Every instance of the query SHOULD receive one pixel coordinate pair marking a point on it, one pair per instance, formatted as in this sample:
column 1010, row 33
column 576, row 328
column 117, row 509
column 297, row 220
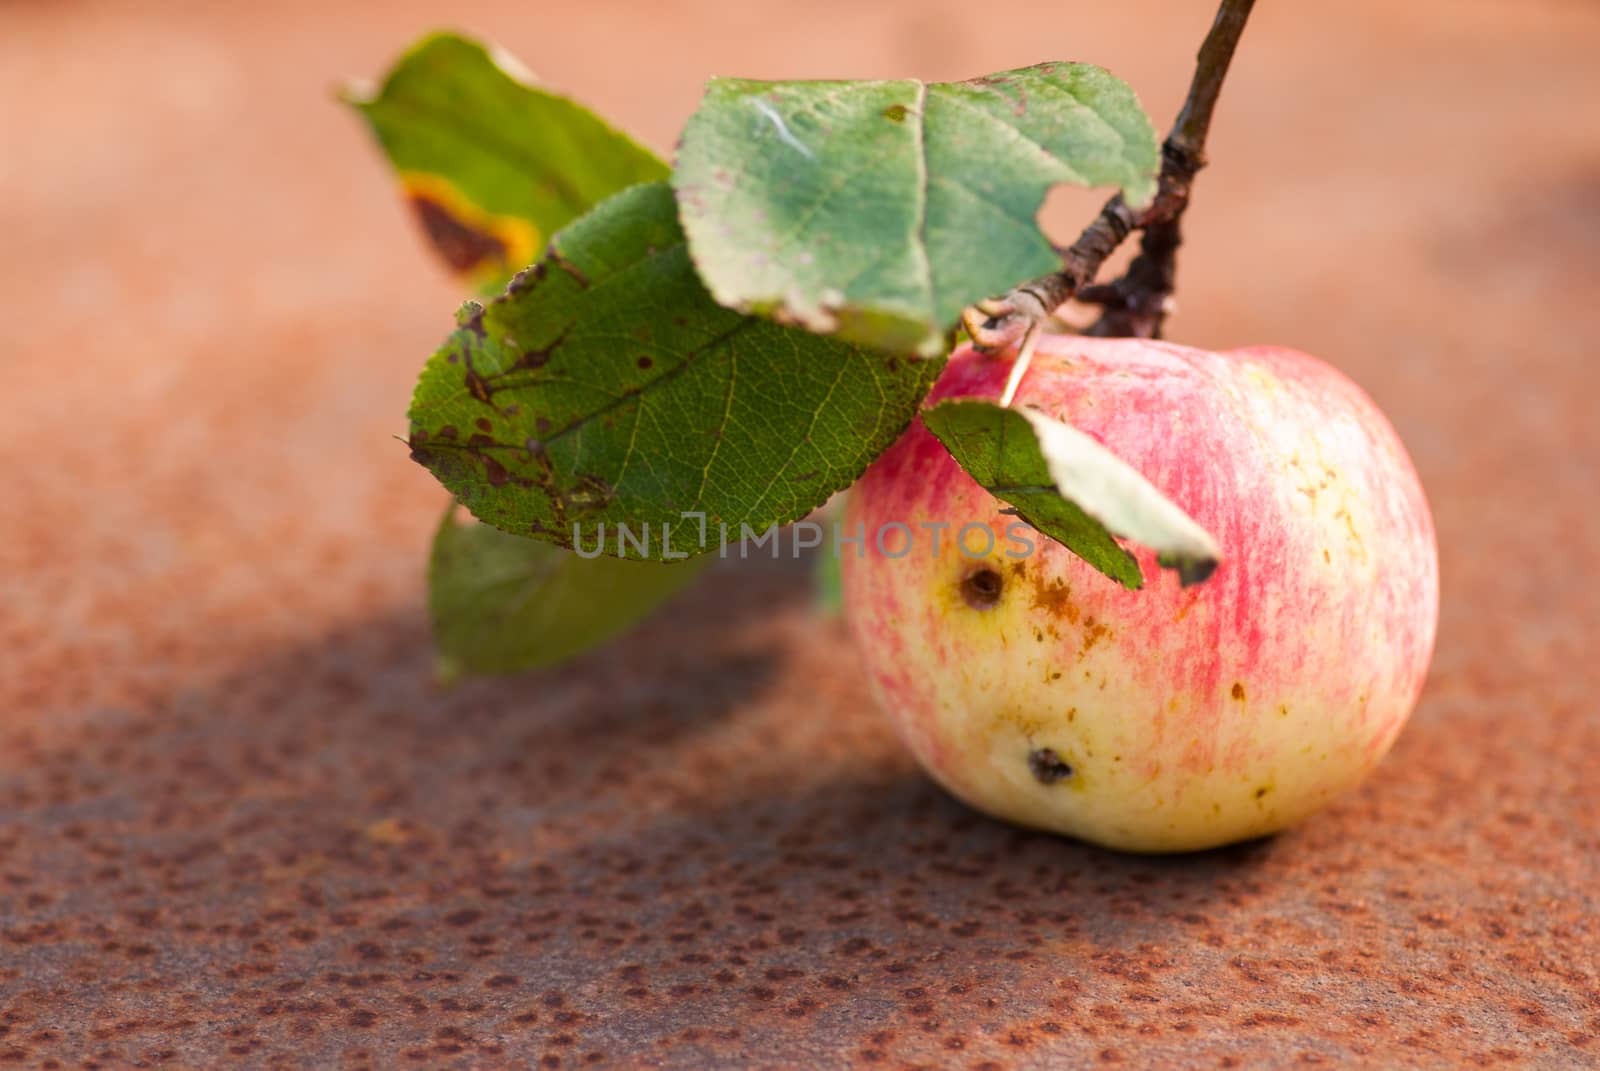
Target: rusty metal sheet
column 240, row 826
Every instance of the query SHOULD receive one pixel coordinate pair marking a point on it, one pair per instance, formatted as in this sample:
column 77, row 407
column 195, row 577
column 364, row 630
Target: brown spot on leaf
column 589, row 493
column 477, row 386
column 539, row 356
column 525, row 279
column 464, row 248
column 570, row 268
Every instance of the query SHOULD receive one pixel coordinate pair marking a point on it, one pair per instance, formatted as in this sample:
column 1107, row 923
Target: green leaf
column 500, row 603
column 827, row 577
column 879, row 210
column 1072, row 489
column 491, row 165
column 607, row 387
column 829, row 580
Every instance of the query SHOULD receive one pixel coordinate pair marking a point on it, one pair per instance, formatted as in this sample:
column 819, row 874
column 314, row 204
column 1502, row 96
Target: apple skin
column 1189, row 717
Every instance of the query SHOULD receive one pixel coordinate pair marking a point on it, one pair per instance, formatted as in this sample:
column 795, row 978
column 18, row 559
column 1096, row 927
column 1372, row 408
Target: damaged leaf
column 879, row 210
column 607, row 388
column 491, row 164
column 1072, row 489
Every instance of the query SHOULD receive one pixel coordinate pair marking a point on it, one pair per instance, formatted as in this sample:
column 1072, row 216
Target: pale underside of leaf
column 1119, row 497
column 1072, row 489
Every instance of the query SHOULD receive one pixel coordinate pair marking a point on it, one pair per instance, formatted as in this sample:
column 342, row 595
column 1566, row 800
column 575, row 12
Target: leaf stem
column 1019, row 367
column 1137, row 303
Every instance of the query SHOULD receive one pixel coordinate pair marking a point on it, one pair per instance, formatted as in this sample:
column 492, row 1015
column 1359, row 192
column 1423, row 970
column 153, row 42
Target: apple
column 1169, row 718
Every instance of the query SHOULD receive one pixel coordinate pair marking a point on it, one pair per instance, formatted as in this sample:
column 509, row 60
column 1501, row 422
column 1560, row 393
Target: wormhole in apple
column 981, row 589
column 1047, row 766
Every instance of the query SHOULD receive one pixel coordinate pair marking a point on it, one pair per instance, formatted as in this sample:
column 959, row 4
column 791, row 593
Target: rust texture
column 240, row 827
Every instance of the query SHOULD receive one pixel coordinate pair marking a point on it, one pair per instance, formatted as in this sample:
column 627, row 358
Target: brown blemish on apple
column 1312, row 488
column 1358, row 546
column 1238, row 691
column 1054, row 597
column 1020, row 723
column 1047, row 767
column 1093, row 633
column 981, row 589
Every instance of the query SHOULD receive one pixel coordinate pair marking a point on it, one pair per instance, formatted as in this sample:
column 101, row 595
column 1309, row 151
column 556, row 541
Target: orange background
column 212, row 307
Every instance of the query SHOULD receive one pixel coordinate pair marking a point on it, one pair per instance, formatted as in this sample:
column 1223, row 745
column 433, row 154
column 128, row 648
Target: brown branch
column 1137, row 303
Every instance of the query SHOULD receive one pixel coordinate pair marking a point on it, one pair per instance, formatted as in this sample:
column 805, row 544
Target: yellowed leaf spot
column 476, row 244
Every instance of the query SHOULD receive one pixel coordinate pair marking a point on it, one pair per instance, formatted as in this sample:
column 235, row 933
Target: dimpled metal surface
column 239, row 826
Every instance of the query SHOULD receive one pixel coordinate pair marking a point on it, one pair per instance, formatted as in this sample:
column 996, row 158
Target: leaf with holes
column 606, row 387
column 1072, row 489
column 491, row 164
column 501, row 603
column 879, row 210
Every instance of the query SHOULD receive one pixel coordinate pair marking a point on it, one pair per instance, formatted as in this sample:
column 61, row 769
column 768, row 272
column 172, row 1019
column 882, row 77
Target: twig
column 1138, row 302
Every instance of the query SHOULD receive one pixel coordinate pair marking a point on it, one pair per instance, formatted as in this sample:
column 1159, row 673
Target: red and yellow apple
column 1169, row 718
